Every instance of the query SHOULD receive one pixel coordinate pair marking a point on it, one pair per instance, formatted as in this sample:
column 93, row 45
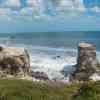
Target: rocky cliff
column 14, row 62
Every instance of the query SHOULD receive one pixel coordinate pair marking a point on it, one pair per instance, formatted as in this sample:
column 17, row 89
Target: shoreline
column 43, row 70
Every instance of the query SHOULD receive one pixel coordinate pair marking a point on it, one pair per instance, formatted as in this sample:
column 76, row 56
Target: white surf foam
column 52, row 65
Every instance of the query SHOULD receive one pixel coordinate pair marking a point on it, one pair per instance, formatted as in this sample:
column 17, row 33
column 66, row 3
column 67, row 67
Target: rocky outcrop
column 86, row 62
column 39, row 75
column 14, row 61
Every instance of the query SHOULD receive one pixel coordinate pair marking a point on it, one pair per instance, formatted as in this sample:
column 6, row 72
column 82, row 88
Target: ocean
column 51, row 52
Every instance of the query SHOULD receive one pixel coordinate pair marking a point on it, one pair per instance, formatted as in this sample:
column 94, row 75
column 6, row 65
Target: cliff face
column 14, row 62
column 86, row 62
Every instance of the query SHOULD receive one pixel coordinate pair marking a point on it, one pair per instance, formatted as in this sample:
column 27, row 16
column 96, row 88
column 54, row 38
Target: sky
column 49, row 15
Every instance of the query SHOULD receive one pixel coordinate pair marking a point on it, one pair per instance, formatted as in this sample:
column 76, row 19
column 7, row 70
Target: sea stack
column 86, row 62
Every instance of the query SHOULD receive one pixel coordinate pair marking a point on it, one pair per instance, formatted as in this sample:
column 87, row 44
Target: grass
column 88, row 91
column 27, row 90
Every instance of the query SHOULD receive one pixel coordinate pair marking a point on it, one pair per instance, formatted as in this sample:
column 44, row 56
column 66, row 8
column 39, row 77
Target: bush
column 88, row 91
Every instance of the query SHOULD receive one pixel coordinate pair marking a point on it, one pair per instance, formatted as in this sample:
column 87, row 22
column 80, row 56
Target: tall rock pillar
column 86, row 62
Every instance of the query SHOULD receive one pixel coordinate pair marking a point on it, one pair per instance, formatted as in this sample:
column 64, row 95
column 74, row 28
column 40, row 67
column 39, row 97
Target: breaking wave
column 52, row 61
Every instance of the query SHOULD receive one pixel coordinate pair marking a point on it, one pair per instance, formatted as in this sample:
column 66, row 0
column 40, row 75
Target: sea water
column 51, row 52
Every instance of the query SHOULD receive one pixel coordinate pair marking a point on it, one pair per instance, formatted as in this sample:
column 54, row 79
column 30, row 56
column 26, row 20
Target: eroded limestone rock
column 86, row 62
column 14, row 61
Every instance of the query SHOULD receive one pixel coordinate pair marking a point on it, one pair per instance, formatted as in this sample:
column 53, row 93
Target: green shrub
column 88, row 91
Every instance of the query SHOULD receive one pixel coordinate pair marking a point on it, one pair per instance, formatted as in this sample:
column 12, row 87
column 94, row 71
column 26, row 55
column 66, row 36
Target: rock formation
column 86, row 62
column 14, row 61
column 39, row 75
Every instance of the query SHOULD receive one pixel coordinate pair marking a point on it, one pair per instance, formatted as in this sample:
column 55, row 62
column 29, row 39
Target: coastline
column 56, row 67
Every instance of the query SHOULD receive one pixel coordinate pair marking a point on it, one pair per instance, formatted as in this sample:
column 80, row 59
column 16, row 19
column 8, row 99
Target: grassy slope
column 26, row 90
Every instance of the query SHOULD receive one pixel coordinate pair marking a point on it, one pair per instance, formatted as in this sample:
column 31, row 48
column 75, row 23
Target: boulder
column 14, row 61
column 86, row 62
column 39, row 75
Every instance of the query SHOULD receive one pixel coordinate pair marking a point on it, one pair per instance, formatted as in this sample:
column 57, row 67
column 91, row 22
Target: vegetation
column 88, row 91
column 27, row 90
column 98, row 65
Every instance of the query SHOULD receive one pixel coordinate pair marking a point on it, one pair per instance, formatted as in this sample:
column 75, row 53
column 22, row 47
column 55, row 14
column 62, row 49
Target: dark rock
column 39, row 75
column 56, row 57
column 86, row 62
column 1, row 48
column 14, row 61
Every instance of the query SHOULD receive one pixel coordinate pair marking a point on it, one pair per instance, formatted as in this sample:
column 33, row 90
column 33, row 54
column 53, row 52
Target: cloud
column 70, row 6
column 26, row 11
column 79, row 5
column 5, row 11
column 65, row 5
column 44, row 7
column 31, row 3
column 36, row 5
column 95, row 9
column 12, row 4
